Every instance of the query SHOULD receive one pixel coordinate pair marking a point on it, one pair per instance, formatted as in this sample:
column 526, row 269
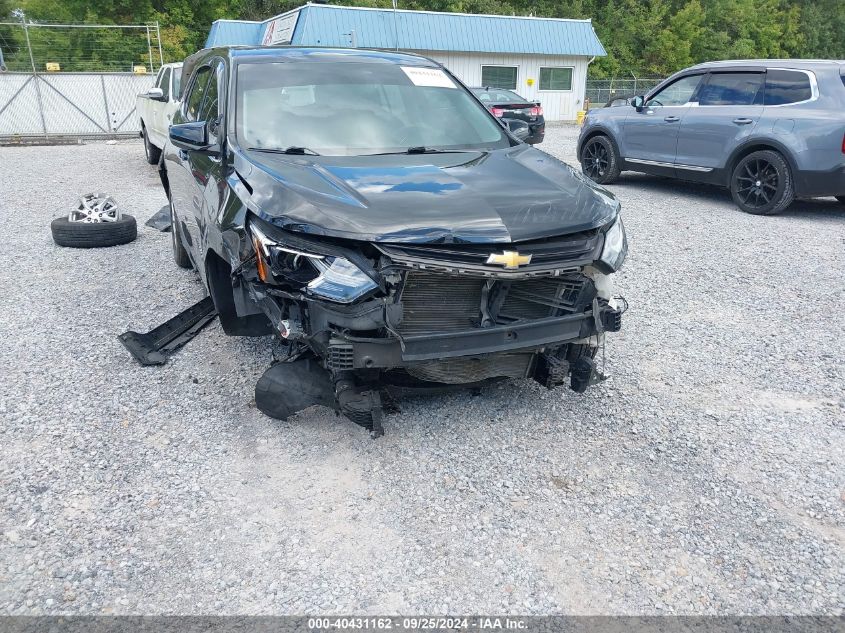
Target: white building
column 542, row 59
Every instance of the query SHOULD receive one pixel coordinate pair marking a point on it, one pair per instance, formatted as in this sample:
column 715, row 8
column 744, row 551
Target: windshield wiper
column 293, row 149
column 421, row 149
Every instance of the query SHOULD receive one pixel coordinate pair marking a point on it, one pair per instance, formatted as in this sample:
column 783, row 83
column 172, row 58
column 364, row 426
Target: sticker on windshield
column 428, row 77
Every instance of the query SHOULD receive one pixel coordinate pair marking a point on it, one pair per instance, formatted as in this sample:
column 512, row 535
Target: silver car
column 769, row 130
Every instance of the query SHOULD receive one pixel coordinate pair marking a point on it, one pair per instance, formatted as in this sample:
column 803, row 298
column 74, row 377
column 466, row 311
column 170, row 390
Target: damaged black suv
column 365, row 207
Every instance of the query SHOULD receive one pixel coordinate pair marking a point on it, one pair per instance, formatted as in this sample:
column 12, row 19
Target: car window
column 177, row 81
column 358, row 108
column 731, row 89
column 197, row 92
column 498, row 96
column 787, row 86
column 209, row 109
column 677, row 93
column 165, row 83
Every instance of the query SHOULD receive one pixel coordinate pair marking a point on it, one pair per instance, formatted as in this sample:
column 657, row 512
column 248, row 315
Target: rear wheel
column 761, row 183
column 152, row 152
column 599, row 160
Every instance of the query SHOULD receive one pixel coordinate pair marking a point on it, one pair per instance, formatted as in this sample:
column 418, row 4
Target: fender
column 759, row 143
column 596, row 130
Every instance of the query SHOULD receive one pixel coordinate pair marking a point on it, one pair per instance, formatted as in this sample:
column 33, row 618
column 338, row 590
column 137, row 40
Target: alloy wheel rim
column 596, row 160
column 757, row 183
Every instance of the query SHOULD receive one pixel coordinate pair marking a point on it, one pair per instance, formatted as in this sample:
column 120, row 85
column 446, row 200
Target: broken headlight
column 340, row 280
column 615, row 247
column 328, row 276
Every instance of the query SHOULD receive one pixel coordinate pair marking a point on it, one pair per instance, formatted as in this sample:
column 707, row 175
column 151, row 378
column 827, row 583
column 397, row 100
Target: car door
column 651, row 135
column 728, row 109
column 206, row 167
column 180, row 167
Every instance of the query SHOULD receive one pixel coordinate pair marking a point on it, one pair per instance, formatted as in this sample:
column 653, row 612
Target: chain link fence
column 81, row 105
column 74, row 80
column 600, row 91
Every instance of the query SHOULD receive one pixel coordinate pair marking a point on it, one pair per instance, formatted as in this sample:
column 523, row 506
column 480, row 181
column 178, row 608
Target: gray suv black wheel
column 762, row 183
column 599, row 160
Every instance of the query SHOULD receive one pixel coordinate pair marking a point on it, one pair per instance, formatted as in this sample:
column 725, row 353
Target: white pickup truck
column 156, row 107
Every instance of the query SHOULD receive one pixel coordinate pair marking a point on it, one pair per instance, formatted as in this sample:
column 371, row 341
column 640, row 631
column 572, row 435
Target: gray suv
column 770, row 130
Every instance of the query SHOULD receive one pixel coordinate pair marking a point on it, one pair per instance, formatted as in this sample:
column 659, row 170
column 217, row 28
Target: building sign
column 280, row 30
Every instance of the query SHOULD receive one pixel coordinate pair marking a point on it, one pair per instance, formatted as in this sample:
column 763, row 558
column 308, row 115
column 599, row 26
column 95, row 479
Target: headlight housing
column 615, row 248
column 340, row 280
column 327, row 275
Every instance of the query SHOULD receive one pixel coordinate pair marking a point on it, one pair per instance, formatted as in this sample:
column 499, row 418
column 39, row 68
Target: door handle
column 672, row 119
column 743, row 121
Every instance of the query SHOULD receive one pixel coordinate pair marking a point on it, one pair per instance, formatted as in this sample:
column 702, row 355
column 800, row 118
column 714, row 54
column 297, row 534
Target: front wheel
column 599, row 160
column 761, row 183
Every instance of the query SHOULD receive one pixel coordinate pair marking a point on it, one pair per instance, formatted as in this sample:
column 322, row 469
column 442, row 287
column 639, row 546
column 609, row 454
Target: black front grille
column 436, row 303
column 546, row 254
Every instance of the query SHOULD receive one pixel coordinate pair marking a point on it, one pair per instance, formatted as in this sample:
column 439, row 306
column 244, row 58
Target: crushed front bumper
column 368, row 353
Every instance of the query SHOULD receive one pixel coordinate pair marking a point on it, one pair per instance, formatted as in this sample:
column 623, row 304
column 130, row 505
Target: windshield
column 354, row 108
column 492, row 95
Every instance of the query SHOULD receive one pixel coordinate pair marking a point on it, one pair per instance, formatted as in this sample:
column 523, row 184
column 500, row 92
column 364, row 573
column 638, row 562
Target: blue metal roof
column 329, row 25
column 225, row 32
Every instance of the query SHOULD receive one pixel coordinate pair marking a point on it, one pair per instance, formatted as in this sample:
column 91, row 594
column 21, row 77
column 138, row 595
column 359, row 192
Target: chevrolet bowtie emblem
column 509, row 259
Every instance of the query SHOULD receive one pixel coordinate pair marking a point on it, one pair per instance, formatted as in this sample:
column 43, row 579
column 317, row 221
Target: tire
column 600, row 160
column 152, row 152
column 93, row 234
column 841, row 199
column 761, row 183
column 180, row 253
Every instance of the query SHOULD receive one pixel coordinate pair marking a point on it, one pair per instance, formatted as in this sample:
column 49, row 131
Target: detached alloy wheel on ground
column 761, row 183
column 152, row 152
column 95, row 222
column 599, row 160
column 94, row 234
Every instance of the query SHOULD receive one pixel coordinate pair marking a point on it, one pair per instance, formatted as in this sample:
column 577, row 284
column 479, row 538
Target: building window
column 555, row 78
column 499, row 77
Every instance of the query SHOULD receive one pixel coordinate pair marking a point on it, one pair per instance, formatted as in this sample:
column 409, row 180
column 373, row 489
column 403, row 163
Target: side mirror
column 156, row 94
column 192, row 136
column 638, row 103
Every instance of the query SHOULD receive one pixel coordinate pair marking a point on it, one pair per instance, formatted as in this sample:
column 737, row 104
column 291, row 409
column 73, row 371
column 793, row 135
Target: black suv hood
column 508, row 195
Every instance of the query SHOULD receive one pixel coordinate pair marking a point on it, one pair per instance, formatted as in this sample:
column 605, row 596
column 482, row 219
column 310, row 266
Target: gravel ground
column 707, row 476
